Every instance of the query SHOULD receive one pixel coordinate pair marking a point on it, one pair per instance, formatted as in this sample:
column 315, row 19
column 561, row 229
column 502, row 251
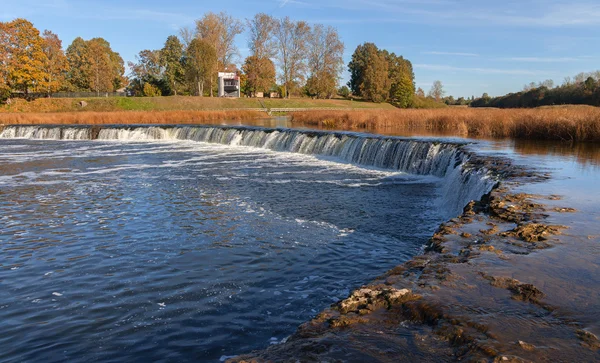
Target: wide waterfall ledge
column 460, row 180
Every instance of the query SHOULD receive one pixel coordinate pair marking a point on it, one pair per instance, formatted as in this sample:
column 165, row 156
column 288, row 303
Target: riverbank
column 127, row 117
column 512, row 279
column 561, row 123
column 179, row 103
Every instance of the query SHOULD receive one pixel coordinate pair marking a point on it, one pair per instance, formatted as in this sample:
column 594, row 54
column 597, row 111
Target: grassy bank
column 125, row 117
column 572, row 123
column 182, row 103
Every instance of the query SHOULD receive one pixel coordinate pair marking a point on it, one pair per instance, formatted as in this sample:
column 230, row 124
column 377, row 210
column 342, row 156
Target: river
column 199, row 243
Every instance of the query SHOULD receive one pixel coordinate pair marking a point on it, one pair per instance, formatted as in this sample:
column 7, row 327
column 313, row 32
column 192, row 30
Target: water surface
column 184, row 251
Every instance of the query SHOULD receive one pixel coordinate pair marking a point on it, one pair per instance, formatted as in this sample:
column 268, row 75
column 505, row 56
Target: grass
column 173, row 103
column 126, row 117
column 572, row 123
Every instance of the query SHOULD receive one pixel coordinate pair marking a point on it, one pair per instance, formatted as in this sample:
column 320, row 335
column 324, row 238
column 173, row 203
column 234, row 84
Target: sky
column 471, row 46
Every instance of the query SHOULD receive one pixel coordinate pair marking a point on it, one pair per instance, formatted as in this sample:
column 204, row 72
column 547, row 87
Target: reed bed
column 125, row 117
column 568, row 123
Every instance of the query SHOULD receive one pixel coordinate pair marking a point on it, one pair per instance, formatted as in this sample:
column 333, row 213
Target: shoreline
column 460, row 300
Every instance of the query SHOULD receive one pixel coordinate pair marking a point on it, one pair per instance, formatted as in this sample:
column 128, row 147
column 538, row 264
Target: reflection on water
column 585, row 154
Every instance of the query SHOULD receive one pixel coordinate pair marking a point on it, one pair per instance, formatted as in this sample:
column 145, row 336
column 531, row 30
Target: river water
column 140, row 248
column 182, row 244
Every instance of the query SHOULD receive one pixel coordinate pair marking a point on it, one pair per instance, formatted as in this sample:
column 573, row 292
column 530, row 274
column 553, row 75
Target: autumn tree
column 402, row 77
column 437, row 91
column 369, row 76
column 260, row 75
column 57, row 66
column 171, row 57
column 420, row 92
column 220, row 30
column 147, row 70
column 325, row 61
column 77, row 57
column 24, row 55
column 4, row 59
column 358, row 65
column 261, row 30
column 259, row 69
column 291, row 38
column 200, row 65
column 94, row 66
column 375, row 84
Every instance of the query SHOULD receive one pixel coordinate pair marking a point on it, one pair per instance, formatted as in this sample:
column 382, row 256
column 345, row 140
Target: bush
column 151, row 91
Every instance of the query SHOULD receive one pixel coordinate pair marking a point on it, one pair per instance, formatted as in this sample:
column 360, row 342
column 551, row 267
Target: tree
column 420, row 92
column 358, row 65
column 57, row 65
column 325, row 61
column 261, row 29
column 260, row 75
column 187, row 34
column 402, row 77
column 437, row 91
column 151, row 90
column 547, row 83
column 147, row 70
column 200, row 64
column 292, row 51
column 24, row 56
column 344, row 91
column 220, row 30
column 4, row 60
column 375, row 84
column 171, row 56
column 94, row 66
column 77, row 57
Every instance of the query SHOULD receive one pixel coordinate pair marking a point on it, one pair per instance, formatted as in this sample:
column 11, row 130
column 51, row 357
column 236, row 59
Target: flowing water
column 196, row 243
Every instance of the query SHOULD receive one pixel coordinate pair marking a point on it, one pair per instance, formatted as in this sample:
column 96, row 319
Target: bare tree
column 292, row 51
column 325, row 61
column 547, row 83
column 437, row 91
column 220, row 31
column 187, row 34
column 261, row 42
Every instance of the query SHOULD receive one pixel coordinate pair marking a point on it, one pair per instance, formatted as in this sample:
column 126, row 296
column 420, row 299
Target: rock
column 588, row 339
column 533, row 232
column 526, row 346
column 82, row 104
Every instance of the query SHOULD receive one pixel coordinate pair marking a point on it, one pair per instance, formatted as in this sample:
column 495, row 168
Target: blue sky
column 471, row 46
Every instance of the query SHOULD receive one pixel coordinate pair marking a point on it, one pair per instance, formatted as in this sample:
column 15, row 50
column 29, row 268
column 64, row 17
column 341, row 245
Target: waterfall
column 46, row 133
column 461, row 183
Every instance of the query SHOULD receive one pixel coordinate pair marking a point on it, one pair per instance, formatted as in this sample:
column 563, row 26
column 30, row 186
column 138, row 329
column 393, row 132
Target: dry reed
column 572, row 123
column 125, row 117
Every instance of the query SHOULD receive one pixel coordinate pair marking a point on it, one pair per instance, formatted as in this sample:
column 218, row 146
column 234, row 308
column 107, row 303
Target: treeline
column 380, row 76
column 34, row 62
column 287, row 57
column 584, row 89
column 309, row 60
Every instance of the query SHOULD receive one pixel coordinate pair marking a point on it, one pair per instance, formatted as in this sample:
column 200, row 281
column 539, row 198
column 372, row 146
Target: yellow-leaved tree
column 56, row 66
column 26, row 65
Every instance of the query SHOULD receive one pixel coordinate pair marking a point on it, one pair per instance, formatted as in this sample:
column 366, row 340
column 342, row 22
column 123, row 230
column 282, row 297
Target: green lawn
column 178, row 103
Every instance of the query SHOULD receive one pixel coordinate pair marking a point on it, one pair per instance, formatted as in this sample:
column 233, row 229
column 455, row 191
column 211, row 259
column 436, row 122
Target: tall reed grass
column 125, row 117
column 569, row 123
